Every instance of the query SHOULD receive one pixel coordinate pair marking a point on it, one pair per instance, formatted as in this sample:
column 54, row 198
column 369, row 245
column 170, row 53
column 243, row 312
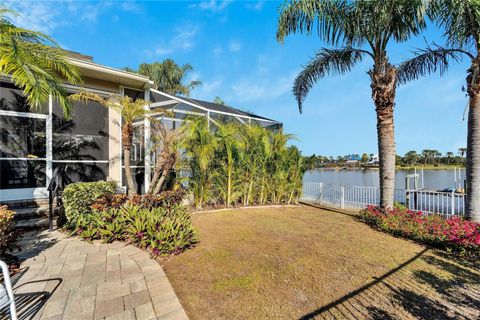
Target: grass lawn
column 293, row 263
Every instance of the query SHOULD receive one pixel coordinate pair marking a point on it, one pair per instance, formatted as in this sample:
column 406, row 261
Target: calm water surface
column 434, row 179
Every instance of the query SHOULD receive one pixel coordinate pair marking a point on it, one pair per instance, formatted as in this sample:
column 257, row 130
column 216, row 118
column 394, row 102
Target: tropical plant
column 460, row 20
column 159, row 230
column 79, row 197
column 228, row 154
column 166, row 144
column 8, row 234
column 200, row 144
column 233, row 163
column 169, row 77
column 363, row 29
column 130, row 110
column 452, row 234
column 35, row 63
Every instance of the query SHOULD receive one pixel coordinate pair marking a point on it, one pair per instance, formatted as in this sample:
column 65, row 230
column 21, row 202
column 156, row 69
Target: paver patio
column 66, row 278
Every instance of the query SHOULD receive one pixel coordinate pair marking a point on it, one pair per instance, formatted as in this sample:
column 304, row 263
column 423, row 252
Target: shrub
column 8, row 234
column 79, row 197
column 454, row 234
column 166, row 199
column 160, row 230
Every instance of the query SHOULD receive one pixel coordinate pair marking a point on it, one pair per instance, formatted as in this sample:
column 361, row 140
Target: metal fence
column 426, row 201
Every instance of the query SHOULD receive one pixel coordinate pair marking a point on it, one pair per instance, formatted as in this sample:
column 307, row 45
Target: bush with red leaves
column 453, row 234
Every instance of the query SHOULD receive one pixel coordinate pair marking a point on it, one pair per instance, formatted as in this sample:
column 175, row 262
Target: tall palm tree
column 460, row 20
column 200, row 144
column 129, row 111
column 169, row 77
column 449, row 155
column 362, row 29
column 230, row 153
column 35, row 63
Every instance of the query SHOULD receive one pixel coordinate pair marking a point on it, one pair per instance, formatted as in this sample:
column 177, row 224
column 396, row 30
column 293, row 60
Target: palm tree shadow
column 435, row 289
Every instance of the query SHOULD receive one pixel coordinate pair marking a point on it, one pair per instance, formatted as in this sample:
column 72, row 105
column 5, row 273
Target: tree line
column 364, row 30
column 411, row 158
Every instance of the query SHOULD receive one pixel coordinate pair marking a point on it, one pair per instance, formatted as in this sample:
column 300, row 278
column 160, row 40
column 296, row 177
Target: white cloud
column 184, row 40
column 46, row 16
column 212, row 5
column 234, row 46
column 255, row 89
column 38, row 16
column 256, row 6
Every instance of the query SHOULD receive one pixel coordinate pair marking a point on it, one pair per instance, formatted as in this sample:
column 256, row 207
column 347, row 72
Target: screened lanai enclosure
column 40, row 145
column 173, row 111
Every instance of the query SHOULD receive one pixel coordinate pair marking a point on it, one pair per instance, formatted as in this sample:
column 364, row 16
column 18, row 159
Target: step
column 28, row 213
column 20, row 204
column 34, row 224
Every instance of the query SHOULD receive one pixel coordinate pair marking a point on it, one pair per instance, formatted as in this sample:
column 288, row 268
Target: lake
column 433, row 179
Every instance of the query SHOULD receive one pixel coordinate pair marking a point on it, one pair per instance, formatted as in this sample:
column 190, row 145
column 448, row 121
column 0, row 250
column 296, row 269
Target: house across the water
column 37, row 144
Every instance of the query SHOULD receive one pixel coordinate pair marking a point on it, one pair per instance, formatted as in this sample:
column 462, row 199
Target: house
column 36, row 144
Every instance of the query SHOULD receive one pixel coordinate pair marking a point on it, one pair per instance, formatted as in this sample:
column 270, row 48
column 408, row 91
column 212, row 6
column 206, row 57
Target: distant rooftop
column 79, row 56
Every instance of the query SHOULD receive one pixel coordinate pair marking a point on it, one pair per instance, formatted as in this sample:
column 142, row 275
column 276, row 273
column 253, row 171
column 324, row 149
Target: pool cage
column 172, row 111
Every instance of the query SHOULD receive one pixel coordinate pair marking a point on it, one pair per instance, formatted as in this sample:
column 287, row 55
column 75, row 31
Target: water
column 432, row 179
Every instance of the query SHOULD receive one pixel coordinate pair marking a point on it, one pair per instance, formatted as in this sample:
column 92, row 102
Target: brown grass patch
column 303, row 263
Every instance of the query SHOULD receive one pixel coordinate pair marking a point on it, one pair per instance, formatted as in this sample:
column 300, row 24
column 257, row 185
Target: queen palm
column 35, row 63
column 169, row 77
column 129, row 111
column 361, row 29
column 461, row 22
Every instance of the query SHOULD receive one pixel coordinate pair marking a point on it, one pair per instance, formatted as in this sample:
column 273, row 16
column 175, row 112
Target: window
column 84, row 136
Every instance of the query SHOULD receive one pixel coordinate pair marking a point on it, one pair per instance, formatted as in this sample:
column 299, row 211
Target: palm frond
column 328, row 17
column 460, row 19
column 428, row 61
column 327, row 61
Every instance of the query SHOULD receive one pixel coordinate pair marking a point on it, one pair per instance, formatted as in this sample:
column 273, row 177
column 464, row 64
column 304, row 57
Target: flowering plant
column 453, row 234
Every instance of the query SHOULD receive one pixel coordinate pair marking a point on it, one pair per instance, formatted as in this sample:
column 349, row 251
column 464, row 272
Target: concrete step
column 20, row 204
column 29, row 213
column 33, row 224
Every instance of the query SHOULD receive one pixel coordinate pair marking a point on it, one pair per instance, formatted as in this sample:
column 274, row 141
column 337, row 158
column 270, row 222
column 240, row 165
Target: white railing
column 428, row 201
column 446, row 203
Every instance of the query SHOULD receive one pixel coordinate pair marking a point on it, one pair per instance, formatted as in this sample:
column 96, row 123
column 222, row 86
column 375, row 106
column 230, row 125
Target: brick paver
column 66, row 278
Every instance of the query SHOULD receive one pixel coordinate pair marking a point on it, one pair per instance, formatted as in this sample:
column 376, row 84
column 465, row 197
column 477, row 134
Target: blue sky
column 232, row 47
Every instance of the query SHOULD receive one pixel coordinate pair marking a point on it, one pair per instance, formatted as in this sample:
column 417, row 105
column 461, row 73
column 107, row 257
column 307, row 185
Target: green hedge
column 79, row 197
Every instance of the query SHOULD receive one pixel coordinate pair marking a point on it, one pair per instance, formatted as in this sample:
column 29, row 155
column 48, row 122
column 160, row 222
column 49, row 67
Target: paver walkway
column 67, row 278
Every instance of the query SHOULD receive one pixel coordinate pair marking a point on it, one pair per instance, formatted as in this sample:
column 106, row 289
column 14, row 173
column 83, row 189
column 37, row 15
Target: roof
column 94, row 70
column 165, row 101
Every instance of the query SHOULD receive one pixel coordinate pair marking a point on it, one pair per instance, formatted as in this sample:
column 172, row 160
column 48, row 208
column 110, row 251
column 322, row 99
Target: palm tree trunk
column 127, row 137
column 383, row 94
column 157, row 173
column 472, row 209
column 128, row 172
column 159, row 185
column 229, row 185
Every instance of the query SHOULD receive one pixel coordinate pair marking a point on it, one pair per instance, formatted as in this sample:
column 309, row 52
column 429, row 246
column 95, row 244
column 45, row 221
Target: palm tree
column 460, row 20
column 35, row 63
column 411, row 157
column 169, row 77
column 200, row 144
column 449, row 155
column 218, row 100
column 230, row 153
column 364, row 29
column 166, row 146
column 129, row 111
column 462, row 151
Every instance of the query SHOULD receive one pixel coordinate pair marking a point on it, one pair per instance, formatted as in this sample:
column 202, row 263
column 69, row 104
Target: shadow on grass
column 411, row 291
